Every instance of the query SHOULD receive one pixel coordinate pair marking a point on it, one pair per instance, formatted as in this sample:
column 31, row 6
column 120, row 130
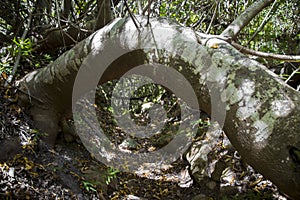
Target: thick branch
column 243, row 20
column 73, row 34
column 104, row 13
column 261, row 112
column 59, row 38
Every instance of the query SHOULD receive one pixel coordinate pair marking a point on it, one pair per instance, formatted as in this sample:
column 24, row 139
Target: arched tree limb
column 262, row 112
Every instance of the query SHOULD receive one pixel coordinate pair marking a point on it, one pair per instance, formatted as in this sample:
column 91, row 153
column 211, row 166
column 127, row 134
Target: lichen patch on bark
column 248, row 105
column 282, row 108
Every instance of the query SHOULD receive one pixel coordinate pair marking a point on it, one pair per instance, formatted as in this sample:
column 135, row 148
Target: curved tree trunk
column 261, row 113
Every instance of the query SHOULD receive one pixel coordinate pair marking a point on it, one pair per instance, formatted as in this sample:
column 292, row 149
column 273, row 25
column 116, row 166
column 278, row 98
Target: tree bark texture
column 261, row 112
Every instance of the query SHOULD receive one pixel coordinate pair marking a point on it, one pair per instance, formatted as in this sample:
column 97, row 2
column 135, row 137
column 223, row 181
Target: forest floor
column 29, row 171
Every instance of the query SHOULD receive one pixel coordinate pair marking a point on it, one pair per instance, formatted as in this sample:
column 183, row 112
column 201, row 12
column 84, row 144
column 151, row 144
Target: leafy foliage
column 276, row 29
column 111, row 174
column 88, row 186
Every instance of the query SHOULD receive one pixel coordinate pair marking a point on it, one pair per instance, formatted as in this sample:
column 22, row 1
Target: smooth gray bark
column 261, row 112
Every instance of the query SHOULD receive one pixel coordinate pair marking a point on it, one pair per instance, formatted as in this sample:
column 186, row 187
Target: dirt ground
column 28, row 170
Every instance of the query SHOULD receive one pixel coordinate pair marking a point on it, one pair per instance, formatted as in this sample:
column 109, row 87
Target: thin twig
column 203, row 39
column 244, row 19
column 149, row 9
column 59, row 24
column 294, row 58
column 213, row 17
column 292, row 74
column 145, row 9
column 131, row 16
column 16, row 65
column 265, row 20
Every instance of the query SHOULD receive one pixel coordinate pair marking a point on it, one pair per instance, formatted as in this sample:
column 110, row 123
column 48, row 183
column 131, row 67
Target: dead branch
column 245, row 50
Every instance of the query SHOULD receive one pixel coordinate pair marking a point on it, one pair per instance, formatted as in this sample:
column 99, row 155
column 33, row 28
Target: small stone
column 128, row 144
column 11, row 172
column 200, row 197
column 229, row 190
column 132, row 197
column 211, row 185
column 219, row 168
